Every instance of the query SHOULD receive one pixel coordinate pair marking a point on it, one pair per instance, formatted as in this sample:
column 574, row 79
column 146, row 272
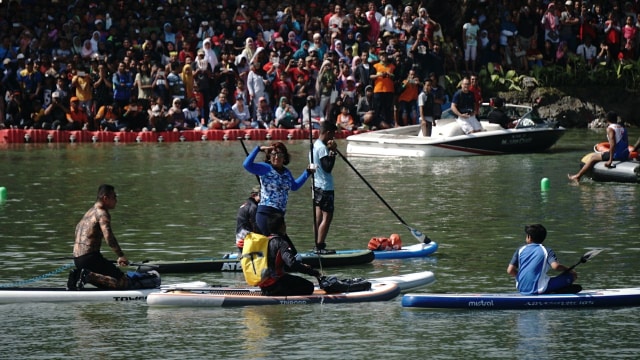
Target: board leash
column 39, row 277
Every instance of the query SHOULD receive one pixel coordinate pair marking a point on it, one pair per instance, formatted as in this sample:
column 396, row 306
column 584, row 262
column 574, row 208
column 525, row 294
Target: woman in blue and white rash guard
column 275, row 179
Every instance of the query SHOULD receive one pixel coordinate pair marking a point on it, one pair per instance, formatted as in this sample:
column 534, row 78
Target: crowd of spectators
column 184, row 64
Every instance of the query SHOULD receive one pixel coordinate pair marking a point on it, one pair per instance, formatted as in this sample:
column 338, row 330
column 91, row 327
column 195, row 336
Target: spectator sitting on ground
column 222, row 115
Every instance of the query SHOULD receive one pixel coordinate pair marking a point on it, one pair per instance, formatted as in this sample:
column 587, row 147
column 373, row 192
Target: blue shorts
column 559, row 282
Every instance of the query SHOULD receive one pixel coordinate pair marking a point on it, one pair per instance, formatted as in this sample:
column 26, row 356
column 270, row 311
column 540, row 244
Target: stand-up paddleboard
column 88, row 294
column 232, row 263
column 382, row 289
column 583, row 299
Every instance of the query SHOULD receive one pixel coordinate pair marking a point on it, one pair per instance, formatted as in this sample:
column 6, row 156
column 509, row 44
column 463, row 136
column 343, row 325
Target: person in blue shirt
column 324, row 157
column 530, row 263
column 275, row 181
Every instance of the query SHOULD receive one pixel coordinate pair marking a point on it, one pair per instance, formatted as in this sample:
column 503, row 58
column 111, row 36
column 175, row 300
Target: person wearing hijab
column 95, row 39
column 325, row 85
column 303, row 51
column 77, row 45
column 286, row 114
column 87, row 50
column 249, row 48
column 209, row 54
column 256, row 85
column 188, row 80
column 167, row 34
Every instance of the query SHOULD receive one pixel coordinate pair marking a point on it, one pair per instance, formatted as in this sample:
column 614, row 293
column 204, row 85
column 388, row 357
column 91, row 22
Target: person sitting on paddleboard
column 618, row 147
column 90, row 231
column 282, row 259
column 530, row 263
column 246, row 217
column 275, row 180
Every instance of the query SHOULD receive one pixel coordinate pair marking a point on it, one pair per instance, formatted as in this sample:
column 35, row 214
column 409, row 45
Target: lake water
column 179, row 200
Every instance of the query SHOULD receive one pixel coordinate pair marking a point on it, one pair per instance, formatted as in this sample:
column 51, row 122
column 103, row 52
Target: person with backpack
column 281, row 260
column 246, row 217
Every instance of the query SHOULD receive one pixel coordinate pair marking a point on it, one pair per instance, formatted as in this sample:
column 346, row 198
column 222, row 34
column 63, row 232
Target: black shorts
column 95, row 262
column 323, row 199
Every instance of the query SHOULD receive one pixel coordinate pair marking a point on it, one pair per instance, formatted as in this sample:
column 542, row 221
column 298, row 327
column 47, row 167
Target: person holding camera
column 56, row 112
column 463, row 106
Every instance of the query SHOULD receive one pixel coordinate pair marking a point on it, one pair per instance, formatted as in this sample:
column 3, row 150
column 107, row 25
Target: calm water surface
column 178, row 201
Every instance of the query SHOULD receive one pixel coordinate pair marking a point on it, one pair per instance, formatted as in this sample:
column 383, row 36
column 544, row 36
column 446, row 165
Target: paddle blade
column 588, row 255
column 419, row 236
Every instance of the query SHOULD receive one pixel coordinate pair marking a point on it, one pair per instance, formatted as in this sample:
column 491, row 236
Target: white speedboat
column 530, row 133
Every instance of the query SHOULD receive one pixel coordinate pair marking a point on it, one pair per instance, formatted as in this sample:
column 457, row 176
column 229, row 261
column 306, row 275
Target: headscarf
column 209, row 55
column 76, row 45
column 187, row 79
column 255, row 55
column 86, row 52
column 248, row 50
column 94, row 42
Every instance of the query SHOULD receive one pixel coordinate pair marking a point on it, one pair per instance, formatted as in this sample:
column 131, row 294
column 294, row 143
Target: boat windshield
column 526, row 116
column 530, row 119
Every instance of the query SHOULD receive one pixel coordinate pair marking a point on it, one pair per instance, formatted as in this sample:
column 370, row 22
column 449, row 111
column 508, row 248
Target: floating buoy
column 247, row 136
column 160, row 139
column 225, row 137
column 268, row 136
column 544, row 184
column 289, row 136
column 50, row 137
column 94, row 138
column 203, row 138
column 72, row 138
column 182, row 138
column 138, row 138
column 27, row 138
column 116, row 139
column 3, row 194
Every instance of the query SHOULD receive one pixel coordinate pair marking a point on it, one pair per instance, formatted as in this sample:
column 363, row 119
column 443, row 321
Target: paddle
column 246, row 152
column 313, row 180
column 416, row 233
column 586, row 257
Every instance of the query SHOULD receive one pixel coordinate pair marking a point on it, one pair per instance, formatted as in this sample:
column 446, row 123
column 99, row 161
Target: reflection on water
column 179, row 201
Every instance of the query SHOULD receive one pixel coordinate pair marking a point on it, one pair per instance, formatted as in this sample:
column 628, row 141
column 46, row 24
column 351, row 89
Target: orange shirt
column 383, row 84
column 410, row 92
column 77, row 115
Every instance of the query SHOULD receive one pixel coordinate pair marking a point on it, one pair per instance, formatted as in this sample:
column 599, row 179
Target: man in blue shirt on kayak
column 530, row 263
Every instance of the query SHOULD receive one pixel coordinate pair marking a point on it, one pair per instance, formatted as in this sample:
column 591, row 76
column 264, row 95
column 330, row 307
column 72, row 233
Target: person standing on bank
column 90, row 231
column 463, row 106
column 275, row 179
column 618, row 147
column 324, row 158
column 246, row 217
column 530, row 263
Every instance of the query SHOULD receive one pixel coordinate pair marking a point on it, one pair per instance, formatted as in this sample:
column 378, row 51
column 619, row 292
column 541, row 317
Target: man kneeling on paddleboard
column 530, row 263
column 95, row 226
